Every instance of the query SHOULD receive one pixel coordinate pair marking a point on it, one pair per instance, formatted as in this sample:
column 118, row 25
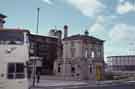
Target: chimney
column 65, row 31
column 52, row 33
column 58, row 34
column 2, row 21
column 86, row 33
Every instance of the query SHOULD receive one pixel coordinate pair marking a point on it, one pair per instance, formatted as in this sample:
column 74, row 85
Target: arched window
column 92, row 54
column 86, row 53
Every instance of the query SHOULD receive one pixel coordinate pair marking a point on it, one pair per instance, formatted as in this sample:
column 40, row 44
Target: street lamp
column 38, row 9
column 34, row 62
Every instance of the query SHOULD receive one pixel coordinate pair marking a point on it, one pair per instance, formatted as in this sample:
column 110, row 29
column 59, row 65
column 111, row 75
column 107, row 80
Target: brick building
column 45, row 48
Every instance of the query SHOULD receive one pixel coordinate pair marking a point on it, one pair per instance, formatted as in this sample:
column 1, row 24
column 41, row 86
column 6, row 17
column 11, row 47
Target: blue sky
column 110, row 20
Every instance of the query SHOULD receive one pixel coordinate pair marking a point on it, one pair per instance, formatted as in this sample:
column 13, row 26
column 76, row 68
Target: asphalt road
column 120, row 86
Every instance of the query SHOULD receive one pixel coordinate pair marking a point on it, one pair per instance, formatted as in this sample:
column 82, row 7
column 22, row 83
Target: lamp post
column 34, row 62
column 38, row 9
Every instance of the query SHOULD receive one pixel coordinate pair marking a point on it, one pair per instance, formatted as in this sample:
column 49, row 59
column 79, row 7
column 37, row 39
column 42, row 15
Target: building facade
column 43, row 49
column 123, row 64
column 46, row 48
column 82, row 59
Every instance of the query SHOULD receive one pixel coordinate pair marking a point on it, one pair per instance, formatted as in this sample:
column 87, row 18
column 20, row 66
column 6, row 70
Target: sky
column 109, row 20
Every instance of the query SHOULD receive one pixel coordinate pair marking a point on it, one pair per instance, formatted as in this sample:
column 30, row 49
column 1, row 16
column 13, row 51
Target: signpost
column 35, row 58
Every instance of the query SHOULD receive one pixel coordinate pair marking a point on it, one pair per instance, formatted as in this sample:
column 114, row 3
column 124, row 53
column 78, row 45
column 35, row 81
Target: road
column 122, row 86
column 119, row 86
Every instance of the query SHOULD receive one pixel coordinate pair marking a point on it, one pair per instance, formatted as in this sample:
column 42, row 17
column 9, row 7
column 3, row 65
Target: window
column 86, row 53
column 15, row 70
column 92, row 54
column 72, row 52
column 11, row 71
column 72, row 49
column 59, row 69
column 11, row 37
column 90, row 68
column 73, row 69
column 99, row 52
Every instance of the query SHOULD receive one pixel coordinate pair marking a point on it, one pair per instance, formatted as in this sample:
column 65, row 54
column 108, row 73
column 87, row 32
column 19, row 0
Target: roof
column 82, row 37
column 36, row 35
column 42, row 39
column 122, row 56
column 3, row 16
column 14, row 29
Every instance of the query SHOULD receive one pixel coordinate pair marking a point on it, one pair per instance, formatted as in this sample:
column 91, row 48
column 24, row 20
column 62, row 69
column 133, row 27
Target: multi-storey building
column 46, row 48
column 14, row 52
column 43, row 49
column 83, row 58
column 123, row 64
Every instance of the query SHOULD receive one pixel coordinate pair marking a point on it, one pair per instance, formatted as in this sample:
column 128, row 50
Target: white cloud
column 125, row 8
column 100, row 27
column 47, row 1
column 122, row 34
column 88, row 7
column 121, row 1
column 121, row 40
column 98, row 30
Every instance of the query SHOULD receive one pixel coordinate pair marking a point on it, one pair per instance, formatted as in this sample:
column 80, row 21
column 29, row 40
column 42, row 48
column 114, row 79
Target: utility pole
column 38, row 9
column 36, row 55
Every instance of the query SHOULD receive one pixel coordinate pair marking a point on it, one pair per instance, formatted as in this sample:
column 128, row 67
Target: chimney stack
column 65, row 31
column 86, row 33
column 2, row 21
column 58, row 34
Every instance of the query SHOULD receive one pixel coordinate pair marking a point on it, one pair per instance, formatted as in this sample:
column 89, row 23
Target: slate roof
column 122, row 56
column 83, row 37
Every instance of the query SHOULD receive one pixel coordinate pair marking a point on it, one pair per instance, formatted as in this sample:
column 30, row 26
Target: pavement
column 66, row 84
column 58, row 83
column 118, row 86
column 121, row 86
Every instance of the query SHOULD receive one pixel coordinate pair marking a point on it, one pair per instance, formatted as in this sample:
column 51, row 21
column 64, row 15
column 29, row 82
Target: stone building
column 82, row 59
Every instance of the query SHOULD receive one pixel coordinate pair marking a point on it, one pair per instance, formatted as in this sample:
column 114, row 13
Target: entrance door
column 98, row 72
